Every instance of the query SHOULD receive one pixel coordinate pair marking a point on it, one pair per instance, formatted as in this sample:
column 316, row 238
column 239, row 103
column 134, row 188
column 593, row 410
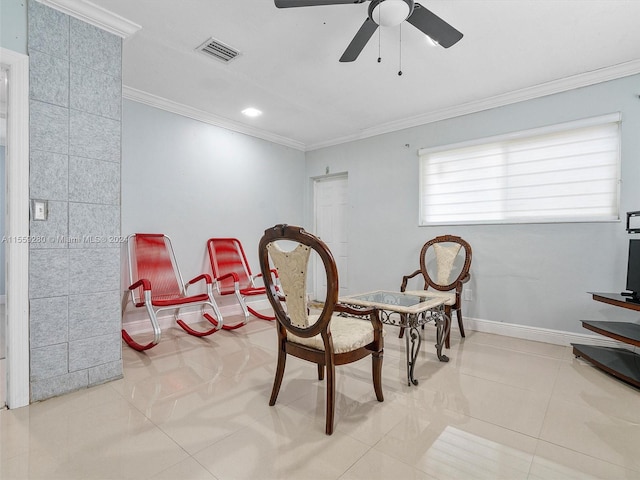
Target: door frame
column 17, row 254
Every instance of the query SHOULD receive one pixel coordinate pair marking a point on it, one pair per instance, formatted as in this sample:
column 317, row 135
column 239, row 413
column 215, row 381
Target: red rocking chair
column 157, row 284
column 232, row 275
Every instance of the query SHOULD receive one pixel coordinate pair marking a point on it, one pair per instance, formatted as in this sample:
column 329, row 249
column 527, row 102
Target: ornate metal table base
column 413, row 322
column 410, row 311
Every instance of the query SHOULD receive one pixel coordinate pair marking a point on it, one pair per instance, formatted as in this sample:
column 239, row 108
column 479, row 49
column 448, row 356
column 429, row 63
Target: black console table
column 619, row 362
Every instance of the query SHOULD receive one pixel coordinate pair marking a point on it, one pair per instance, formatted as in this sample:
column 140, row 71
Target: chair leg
column 217, row 325
column 460, row 325
column 154, row 324
column 376, row 359
column 259, row 315
column 277, row 381
column 320, row 372
column 135, row 345
column 213, row 321
column 196, row 333
column 447, row 338
column 331, row 395
column 218, row 315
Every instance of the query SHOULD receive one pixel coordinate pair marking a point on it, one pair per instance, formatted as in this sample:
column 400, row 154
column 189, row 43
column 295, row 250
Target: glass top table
column 415, row 311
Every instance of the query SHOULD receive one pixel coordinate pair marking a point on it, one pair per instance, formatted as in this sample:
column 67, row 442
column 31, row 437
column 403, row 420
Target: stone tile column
column 75, row 151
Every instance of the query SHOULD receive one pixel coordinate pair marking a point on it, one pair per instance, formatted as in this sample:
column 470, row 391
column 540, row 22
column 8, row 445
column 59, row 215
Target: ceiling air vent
column 218, row 50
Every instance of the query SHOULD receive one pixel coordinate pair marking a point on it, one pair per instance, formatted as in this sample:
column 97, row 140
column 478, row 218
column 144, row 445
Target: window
column 564, row 173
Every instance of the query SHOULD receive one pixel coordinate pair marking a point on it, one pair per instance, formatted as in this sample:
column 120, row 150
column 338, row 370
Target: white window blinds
column 564, row 173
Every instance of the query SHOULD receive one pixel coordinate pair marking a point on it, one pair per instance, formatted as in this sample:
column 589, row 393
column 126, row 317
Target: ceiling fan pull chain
column 379, row 29
column 400, row 67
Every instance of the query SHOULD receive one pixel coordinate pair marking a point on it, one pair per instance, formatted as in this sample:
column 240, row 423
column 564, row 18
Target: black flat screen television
column 633, row 270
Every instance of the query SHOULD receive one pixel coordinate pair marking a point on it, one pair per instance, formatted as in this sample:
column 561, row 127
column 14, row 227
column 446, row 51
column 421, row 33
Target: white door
column 330, row 219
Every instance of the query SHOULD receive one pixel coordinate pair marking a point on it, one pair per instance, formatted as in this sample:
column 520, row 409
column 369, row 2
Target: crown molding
column 557, row 86
column 549, row 88
column 97, row 16
column 206, row 117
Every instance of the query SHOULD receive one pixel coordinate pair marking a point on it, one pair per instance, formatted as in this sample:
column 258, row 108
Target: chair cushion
column 445, row 256
column 448, row 297
column 348, row 334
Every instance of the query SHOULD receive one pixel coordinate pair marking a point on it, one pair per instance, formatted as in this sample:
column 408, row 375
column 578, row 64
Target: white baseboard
column 536, row 334
column 137, row 322
column 141, row 324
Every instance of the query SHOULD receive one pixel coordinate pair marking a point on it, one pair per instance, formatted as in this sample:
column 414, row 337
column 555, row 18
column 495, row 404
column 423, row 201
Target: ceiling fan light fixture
column 389, row 13
column 384, row 13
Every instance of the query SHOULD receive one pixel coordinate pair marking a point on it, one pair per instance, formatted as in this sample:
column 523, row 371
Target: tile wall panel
column 49, row 361
column 96, row 225
column 94, row 315
column 52, row 387
column 94, row 270
column 48, row 30
column 95, row 92
column 91, row 352
column 75, row 134
column 94, row 181
column 49, row 79
column 48, row 127
column 49, row 321
column 48, row 175
column 48, row 273
column 105, row 372
column 95, row 48
column 92, row 136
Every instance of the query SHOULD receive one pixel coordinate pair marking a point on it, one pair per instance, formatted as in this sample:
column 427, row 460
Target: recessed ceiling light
column 251, row 112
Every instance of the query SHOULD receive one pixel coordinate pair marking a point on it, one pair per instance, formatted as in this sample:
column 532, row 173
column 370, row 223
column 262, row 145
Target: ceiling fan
column 387, row 13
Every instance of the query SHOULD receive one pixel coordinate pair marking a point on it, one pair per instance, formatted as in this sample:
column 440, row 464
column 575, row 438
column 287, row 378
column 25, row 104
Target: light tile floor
column 197, row 408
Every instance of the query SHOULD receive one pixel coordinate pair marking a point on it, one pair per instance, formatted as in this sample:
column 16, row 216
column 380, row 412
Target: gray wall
column 193, row 181
column 75, row 136
column 13, row 25
column 534, row 275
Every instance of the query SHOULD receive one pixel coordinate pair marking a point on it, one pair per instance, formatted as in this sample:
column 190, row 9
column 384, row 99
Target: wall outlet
column 467, row 295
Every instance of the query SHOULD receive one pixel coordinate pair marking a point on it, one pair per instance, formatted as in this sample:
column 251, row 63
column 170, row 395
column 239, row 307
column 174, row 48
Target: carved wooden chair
column 232, row 276
column 156, row 284
column 325, row 338
column 444, row 265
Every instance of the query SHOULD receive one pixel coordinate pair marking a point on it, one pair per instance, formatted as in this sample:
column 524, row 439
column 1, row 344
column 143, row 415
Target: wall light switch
column 39, row 209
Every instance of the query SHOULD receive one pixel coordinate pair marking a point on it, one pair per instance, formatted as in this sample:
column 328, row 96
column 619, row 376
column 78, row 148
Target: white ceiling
column 289, row 69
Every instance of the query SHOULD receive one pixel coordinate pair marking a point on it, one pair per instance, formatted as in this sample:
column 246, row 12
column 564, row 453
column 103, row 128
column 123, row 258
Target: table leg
column 443, row 326
column 413, row 336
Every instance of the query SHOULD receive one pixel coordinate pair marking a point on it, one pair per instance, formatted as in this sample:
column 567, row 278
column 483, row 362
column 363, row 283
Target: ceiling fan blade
column 433, row 26
column 361, row 38
column 312, row 3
